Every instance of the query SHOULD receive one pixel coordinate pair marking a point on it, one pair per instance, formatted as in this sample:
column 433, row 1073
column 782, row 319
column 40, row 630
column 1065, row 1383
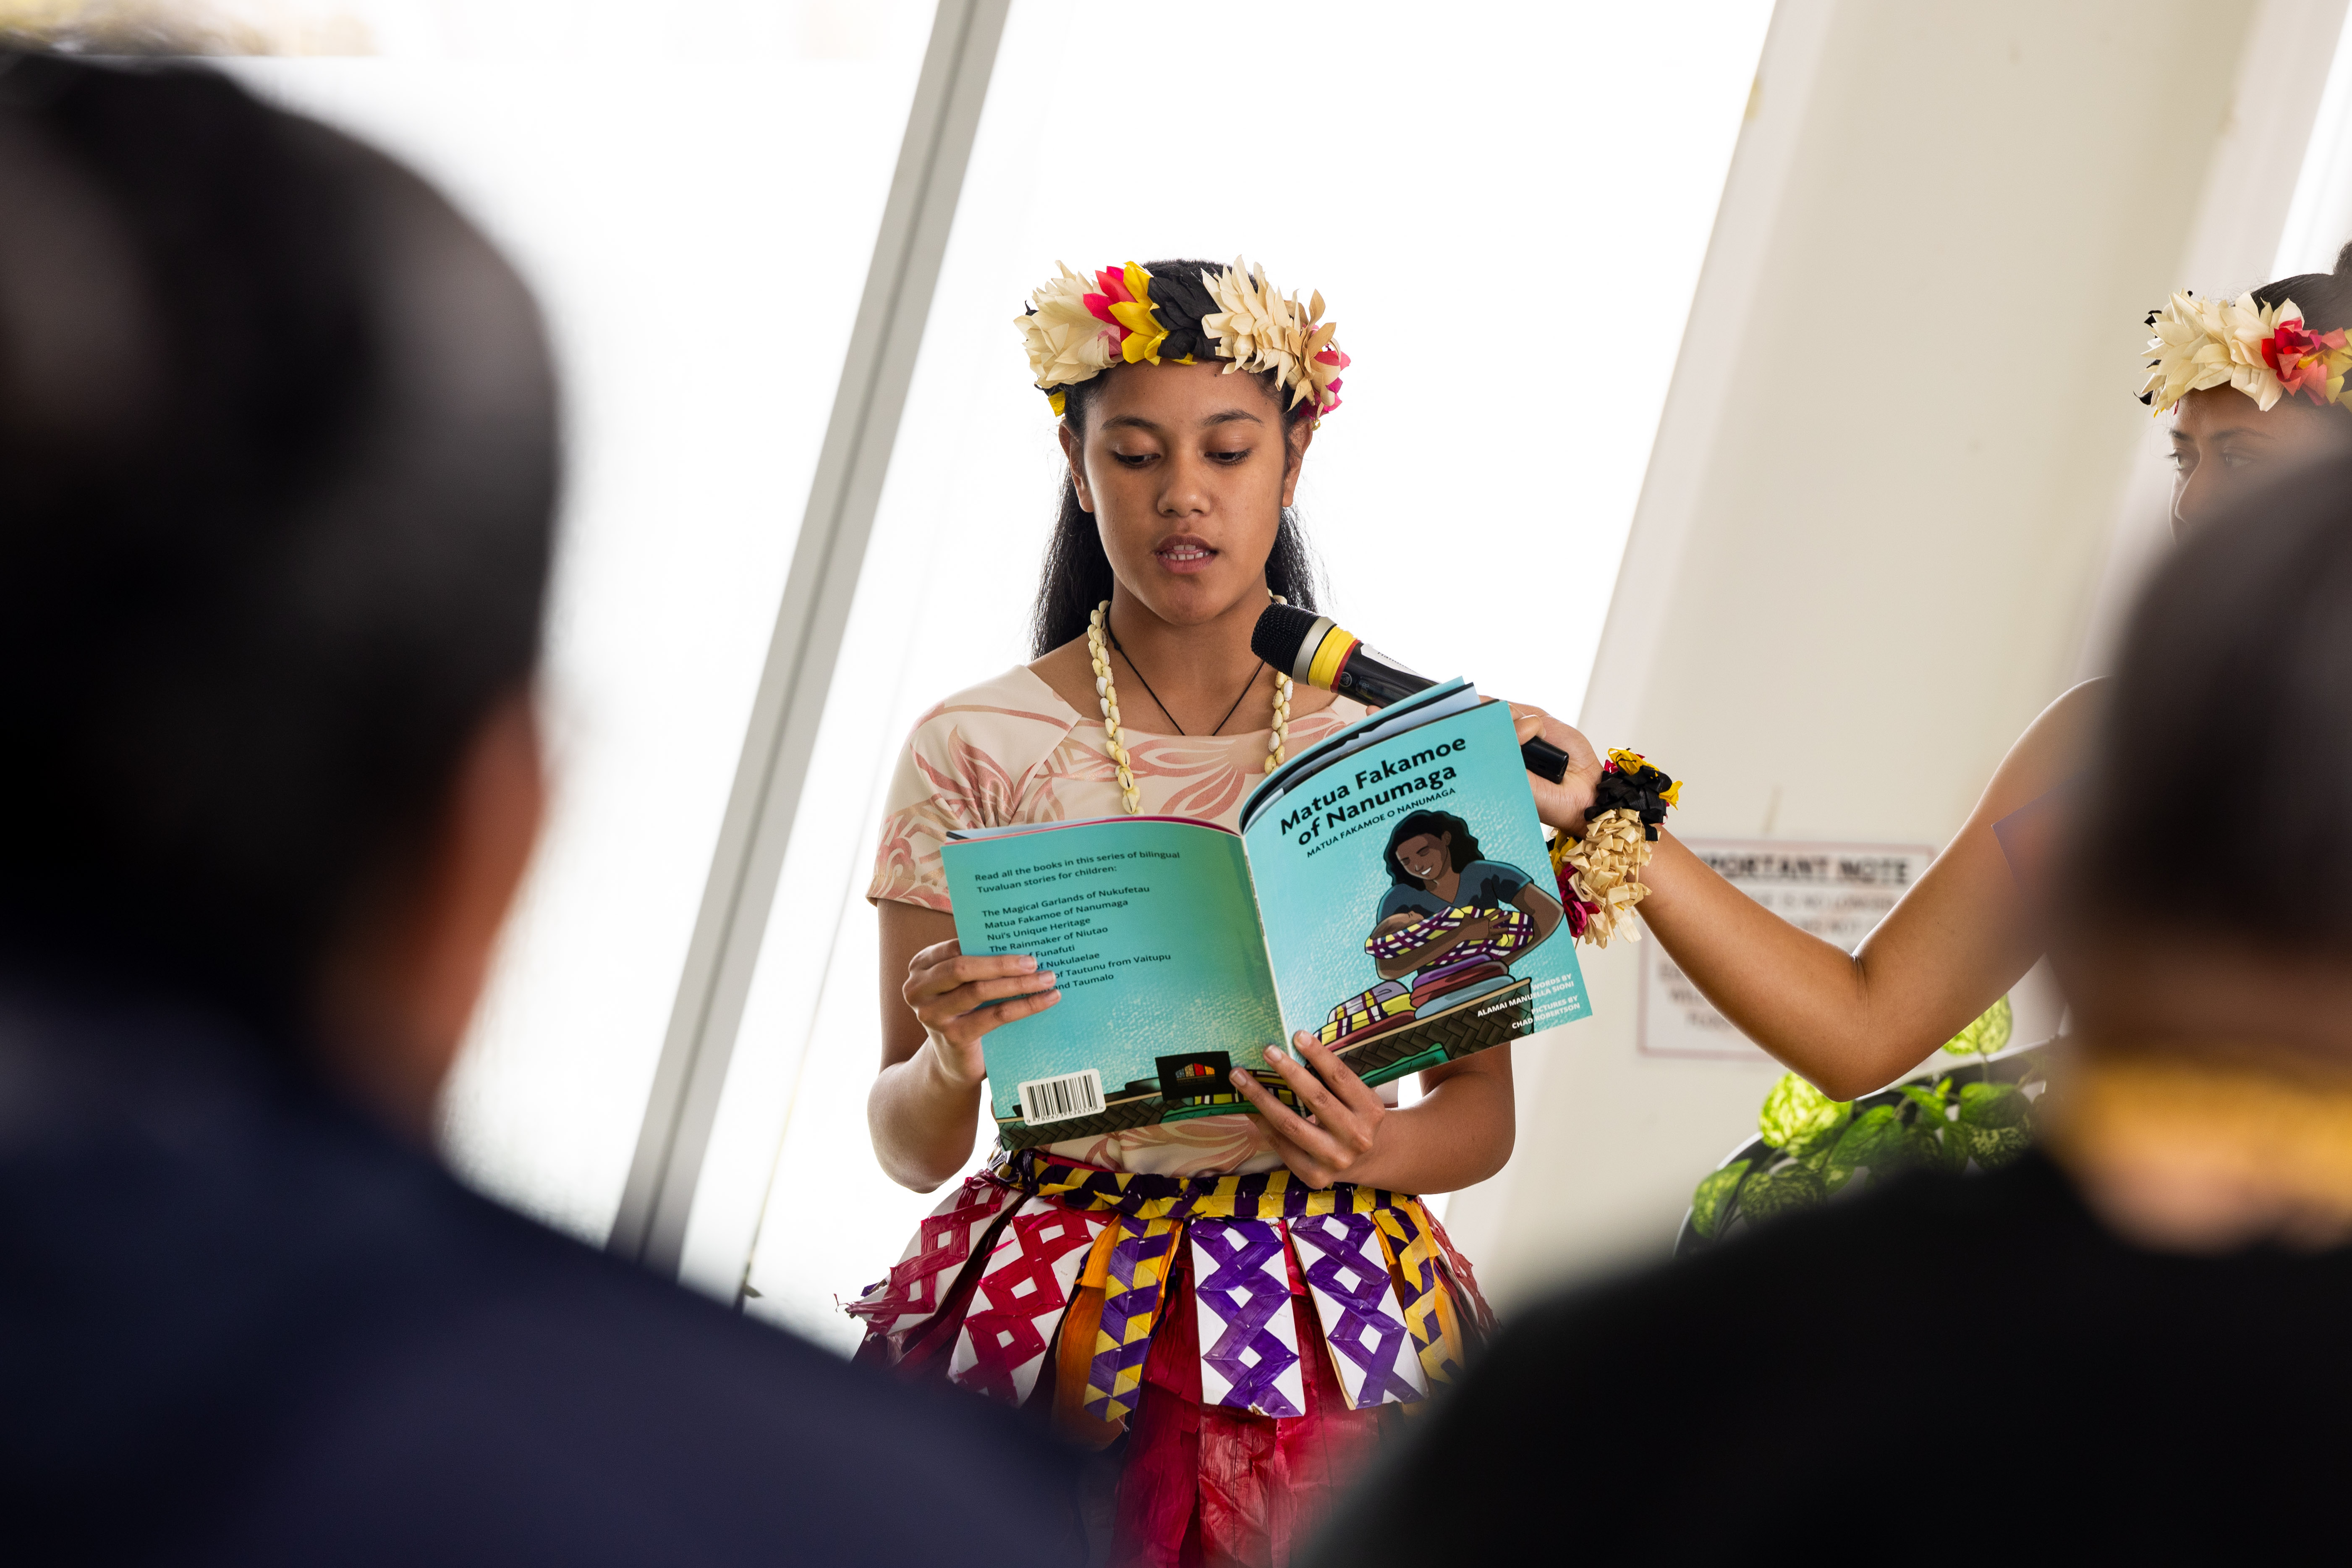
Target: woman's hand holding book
column 961, row 999
column 1346, row 1111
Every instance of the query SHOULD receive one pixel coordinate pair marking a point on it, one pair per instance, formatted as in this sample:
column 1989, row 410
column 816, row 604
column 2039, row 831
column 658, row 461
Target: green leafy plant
column 1990, row 1032
column 1802, row 1126
column 1815, row 1146
column 1875, row 1142
column 1799, row 1119
column 1714, row 1196
column 1780, row 1190
column 1996, row 1118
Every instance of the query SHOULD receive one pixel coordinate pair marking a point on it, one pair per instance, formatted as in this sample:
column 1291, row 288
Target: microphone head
column 1283, row 633
column 1305, row 646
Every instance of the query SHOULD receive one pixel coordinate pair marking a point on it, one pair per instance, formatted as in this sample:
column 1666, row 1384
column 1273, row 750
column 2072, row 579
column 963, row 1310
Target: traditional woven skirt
column 1245, row 1340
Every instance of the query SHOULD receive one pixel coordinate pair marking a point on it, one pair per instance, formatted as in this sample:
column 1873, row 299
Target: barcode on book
column 1044, row 1099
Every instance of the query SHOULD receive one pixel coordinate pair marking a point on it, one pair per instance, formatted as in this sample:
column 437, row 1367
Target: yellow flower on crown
column 1126, row 299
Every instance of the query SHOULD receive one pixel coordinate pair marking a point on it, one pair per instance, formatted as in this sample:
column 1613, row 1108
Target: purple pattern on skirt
column 1350, row 1269
column 1247, row 1285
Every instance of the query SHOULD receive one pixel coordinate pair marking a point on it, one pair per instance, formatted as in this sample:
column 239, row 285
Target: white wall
column 1882, row 500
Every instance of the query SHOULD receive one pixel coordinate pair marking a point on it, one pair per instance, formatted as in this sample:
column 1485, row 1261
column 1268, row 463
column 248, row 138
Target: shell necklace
column 1107, row 693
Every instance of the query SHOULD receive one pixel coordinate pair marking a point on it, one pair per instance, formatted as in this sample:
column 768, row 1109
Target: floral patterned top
column 1010, row 750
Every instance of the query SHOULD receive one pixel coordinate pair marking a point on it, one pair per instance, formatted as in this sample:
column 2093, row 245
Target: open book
column 1389, row 891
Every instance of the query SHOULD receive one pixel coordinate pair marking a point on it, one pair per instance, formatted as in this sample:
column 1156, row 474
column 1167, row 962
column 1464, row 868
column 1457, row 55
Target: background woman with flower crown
column 2255, row 388
column 1167, row 1293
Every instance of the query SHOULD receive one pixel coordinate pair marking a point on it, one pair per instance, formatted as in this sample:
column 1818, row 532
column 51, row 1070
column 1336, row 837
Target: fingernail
column 1273, row 1053
column 1047, row 978
column 1028, row 962
column 1239, row 1075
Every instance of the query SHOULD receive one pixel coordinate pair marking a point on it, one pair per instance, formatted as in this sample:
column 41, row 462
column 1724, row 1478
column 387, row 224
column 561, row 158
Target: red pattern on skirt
column 1203, row 1485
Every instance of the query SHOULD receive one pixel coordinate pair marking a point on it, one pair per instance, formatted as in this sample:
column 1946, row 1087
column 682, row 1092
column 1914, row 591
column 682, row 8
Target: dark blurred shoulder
column 1844, row 1364
column 1676, row 1413
column 236, row 1312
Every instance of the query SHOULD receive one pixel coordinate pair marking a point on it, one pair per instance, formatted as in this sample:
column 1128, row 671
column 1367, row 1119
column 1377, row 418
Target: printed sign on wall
column 1837, row 891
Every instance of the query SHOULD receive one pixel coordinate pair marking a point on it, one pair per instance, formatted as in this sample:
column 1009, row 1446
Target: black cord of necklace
column 1155, row 696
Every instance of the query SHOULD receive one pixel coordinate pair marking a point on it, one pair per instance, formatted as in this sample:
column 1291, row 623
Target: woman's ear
column 1295, row 441
column 1073, row 454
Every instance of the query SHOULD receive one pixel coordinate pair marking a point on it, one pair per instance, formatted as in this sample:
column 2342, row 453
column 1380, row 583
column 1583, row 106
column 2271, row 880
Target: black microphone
column 1317, row 650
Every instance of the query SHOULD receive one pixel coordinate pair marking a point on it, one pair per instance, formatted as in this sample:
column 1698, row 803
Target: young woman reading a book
column 2255, row 387
column 1097, row 1276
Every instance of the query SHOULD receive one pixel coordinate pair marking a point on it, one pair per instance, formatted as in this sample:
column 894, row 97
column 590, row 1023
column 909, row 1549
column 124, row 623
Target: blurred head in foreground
column 2206, row 920
column 278, row 467
column 2153, row 1303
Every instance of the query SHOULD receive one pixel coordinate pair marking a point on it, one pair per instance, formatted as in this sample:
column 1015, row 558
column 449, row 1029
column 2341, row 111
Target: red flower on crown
column 2298, row 357
column 1337, row 361
column 1112, row 281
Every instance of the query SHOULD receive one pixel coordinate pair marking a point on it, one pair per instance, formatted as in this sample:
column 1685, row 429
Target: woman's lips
column 1185, row 555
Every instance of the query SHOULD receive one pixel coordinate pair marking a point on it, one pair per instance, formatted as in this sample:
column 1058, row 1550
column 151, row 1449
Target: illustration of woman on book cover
column 1450, row 917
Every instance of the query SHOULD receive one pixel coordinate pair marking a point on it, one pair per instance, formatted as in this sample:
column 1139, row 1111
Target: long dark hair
column 1438, row 825
column 1078, row 575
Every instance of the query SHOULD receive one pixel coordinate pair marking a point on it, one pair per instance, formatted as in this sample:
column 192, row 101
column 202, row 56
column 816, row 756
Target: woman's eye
column 2236, row 459
column 1133, row 460
column 1229, row 458
column 2181, row 462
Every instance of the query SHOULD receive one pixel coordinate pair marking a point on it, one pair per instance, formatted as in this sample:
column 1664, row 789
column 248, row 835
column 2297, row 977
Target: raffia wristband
column 1598, row 874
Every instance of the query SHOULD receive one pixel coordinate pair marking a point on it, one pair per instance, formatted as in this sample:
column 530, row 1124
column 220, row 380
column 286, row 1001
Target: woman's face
column 1186, row 471
column 2222, row 446
column 1422, row 855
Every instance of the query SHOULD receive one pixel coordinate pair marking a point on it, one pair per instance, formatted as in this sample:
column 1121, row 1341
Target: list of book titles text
column 1060, row 925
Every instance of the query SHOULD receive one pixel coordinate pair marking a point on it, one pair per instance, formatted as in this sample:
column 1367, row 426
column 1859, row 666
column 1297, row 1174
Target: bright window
column 693, row 190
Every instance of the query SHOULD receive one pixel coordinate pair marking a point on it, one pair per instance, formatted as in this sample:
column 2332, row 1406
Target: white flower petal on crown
column 1259, row 330
column 2202, row 344
column 1066, row 341
column 1248, row 330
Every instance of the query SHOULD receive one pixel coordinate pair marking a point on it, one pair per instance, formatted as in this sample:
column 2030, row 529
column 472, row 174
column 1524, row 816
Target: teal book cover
column 1151, row 929
column 1391, row 893
column 1407, row 898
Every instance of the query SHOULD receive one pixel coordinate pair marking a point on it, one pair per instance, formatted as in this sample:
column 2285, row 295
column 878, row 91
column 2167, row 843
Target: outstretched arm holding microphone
column 1966, row 933
column 1850, row 1022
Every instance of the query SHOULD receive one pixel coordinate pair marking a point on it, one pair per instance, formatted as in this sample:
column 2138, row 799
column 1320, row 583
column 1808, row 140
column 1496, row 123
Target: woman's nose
column 2190, row 498
column 1186, row 493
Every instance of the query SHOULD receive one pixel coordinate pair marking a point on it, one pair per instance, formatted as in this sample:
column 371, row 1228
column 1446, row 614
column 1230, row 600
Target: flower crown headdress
column 1075, row 329
column 2263, row 351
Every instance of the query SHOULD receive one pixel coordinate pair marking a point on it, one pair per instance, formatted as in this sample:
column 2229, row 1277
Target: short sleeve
column 906, row 859
column 978, row 760
column 1499, row 883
